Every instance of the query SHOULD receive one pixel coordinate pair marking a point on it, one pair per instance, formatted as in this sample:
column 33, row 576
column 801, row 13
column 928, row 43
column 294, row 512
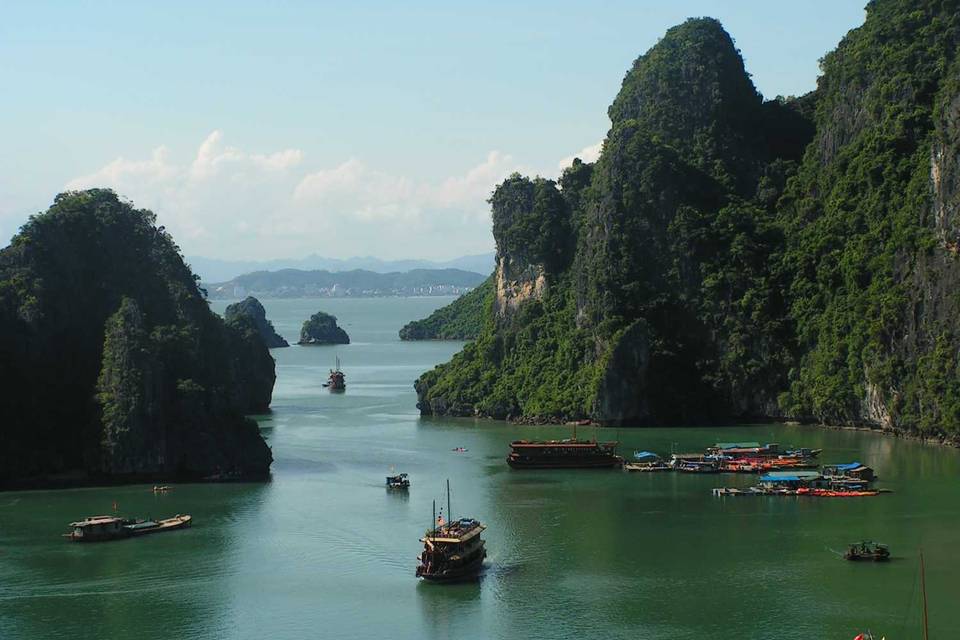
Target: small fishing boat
column 144, row 527
column 162, row 489
column 399, row 481
column 452, row 551
column 867, row 550
column 105, row 528
column 698, row 466
column 646, row 461
column 646, row 467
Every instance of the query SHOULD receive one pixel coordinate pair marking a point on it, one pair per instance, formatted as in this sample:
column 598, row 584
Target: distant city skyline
column 260, row 132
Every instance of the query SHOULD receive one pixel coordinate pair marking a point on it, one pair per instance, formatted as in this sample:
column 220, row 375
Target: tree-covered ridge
column 738, row 258
column 661, row 267
column 112, row 361
column 462, row 319
column 873, row 272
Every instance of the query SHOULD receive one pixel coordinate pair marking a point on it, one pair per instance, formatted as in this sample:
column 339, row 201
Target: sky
column 282, row 129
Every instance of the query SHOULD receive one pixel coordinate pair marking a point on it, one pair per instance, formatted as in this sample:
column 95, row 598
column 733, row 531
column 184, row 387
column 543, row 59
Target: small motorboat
column 400, row 481
column 459, row 450
column 162, row 489
column 867, row 550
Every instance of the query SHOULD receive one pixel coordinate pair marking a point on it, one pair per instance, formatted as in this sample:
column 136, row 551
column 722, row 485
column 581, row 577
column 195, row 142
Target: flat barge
column 106, row 528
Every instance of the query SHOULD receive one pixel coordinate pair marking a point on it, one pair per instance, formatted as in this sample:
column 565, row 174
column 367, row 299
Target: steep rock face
column 871, row 228
column 115, row 367
column 637, row 293
column 251, row 309
column 321, row 328
column 516, row 283
column 778, row 265
column 945, row 164
column 129, row 395
column 531, row 225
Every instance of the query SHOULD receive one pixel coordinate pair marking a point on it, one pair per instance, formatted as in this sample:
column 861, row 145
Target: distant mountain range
column 213, row 270
column 298, row 283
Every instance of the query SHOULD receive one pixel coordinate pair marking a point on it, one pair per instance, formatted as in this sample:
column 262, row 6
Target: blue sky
column 265, row 130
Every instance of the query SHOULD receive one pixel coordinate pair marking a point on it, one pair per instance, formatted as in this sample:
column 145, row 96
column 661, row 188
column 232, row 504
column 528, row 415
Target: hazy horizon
column 266, row 132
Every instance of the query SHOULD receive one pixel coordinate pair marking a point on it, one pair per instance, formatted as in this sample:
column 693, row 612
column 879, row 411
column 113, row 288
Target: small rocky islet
column 321, row 329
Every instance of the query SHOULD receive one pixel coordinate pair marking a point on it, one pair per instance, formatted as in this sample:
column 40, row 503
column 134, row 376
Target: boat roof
column 789, row 476
column 737, row 445
column 92, row 520
column 561, row 443
column 644, row 454
column 454, row 532
column 845, row 466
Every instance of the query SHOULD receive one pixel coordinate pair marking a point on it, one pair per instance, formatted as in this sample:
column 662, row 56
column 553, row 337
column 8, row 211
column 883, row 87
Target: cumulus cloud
column 224, row 201
column 587, row 154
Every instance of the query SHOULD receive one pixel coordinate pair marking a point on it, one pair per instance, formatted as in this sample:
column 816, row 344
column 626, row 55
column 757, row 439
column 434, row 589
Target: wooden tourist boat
column 336, row 381
column 452, row 551
column 105, row 528
column 563, row 454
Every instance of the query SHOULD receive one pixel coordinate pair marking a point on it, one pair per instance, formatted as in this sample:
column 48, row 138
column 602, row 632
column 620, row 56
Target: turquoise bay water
column 324, row 551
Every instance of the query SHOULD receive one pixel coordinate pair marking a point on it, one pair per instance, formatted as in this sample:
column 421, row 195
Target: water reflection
column 451, row 610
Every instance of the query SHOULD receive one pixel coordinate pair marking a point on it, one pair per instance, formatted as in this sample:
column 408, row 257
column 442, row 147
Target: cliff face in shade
column 321, row 328
column 251, row 309
column 114, row 367
column 729, row 257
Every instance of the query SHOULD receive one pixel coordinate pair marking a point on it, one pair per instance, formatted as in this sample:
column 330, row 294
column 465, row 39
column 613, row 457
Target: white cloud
column 227, row 202
column 587, row 154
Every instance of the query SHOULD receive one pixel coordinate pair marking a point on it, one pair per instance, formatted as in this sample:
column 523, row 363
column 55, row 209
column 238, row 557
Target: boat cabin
column 853, row 470
column 97, row 528
column 789, row 479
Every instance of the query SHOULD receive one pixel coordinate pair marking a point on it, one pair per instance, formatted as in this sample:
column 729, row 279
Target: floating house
column 849, row 470
column 790, row 479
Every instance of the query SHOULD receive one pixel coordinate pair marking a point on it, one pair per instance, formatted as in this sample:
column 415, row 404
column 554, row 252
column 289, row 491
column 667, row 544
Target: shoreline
column 940, row 440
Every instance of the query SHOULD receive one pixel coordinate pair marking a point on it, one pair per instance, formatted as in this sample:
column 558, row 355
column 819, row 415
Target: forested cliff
column 729, row 257
column 113, row 366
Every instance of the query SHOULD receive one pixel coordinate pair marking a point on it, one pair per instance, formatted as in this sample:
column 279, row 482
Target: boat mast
column 449, row 512
column 923, row 590
column 433, row 523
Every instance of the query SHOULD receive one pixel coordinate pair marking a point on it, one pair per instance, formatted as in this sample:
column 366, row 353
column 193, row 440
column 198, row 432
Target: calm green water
column 324, row 551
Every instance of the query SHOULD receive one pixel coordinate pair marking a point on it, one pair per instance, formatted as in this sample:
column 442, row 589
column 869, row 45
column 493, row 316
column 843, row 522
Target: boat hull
column 584, row 463
column 468, row 571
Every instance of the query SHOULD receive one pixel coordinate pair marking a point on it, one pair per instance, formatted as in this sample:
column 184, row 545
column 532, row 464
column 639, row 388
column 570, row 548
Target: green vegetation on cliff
column 462, row 319
column 112, row 362
column 250, row 310
column 639, row 289
column 869, row 227
column 728, row 257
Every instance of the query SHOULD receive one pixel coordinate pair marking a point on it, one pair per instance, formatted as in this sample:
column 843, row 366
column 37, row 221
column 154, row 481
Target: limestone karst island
column 629, row 320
